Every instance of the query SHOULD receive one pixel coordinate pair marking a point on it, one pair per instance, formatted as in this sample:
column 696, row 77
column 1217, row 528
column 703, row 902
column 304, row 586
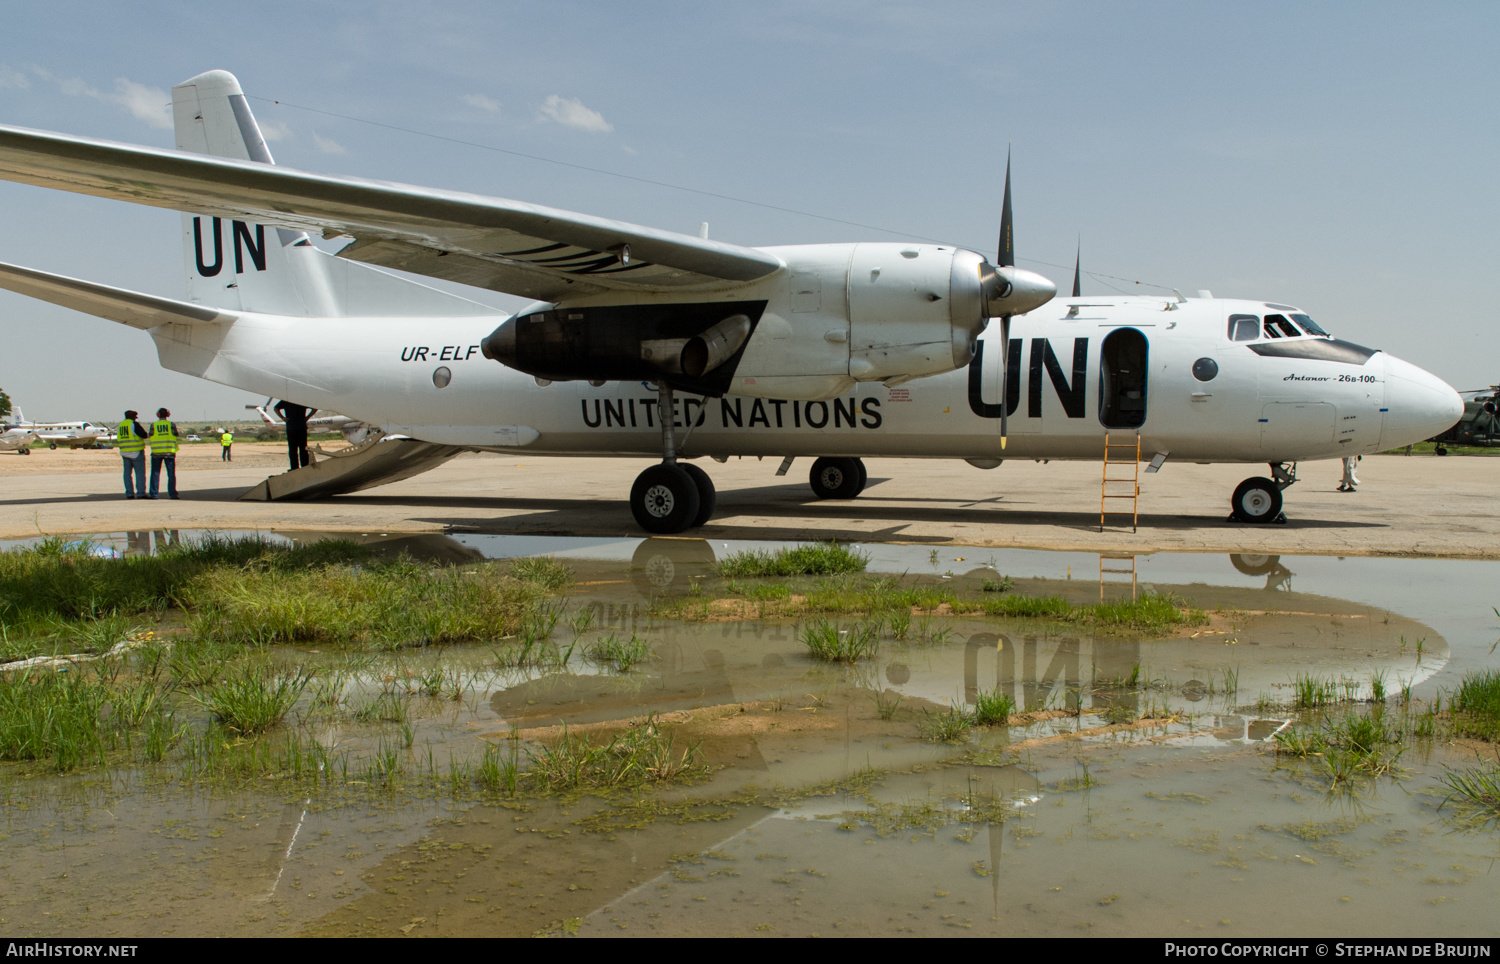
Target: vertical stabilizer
column 252, row 267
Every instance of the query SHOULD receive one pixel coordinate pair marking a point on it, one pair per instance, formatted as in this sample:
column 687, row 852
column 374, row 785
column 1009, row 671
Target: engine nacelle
column 913, row 310
column 838, row 314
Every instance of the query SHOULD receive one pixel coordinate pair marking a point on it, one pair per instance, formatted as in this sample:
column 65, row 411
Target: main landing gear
column 1259, row 499
column 671, row 497
column 841, row 478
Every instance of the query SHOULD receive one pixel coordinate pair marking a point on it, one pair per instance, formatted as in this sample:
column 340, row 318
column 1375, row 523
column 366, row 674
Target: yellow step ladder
column 1114, row 486
column 1108, row 570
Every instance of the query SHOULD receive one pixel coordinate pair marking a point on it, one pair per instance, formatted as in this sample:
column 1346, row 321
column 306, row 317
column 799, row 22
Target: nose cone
column 1028, row 290
column 500, row 344
column 1418, row 405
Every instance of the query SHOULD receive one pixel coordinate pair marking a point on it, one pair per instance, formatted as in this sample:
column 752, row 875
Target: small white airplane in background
column 16, row 439
column 648, row 342
column 72, row 435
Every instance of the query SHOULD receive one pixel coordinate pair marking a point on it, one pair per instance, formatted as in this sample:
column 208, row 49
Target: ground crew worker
column 1350, row 480
column 130, row 439
column 226, row 440
column 296, row 417
column 164, row 438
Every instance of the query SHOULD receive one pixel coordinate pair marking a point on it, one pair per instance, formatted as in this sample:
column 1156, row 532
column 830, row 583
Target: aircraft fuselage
column 1076, row 367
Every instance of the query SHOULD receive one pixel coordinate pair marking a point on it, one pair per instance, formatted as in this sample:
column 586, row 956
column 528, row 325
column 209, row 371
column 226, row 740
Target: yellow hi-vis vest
column 163, row 439
column 227, row 439
column 127, row 441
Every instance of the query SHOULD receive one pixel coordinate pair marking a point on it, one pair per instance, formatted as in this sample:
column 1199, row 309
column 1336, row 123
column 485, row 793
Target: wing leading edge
column 503, row 245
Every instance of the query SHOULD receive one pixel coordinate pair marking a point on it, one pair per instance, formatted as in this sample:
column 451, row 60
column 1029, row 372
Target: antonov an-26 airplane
column 836, row 351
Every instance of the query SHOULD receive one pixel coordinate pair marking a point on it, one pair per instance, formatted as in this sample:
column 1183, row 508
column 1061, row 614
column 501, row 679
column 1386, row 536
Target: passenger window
column 1277, row 326
column 1244, row 327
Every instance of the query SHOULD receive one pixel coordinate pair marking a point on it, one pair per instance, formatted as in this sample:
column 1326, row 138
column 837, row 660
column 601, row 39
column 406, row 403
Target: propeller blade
column 1008, row 290
column 1077, row 264
column 1007, row 256
column 1004, row 376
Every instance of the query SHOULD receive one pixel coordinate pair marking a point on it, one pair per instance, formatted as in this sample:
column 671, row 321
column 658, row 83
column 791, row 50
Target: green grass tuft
column 835, row 644
column 817, row 559
column 1357, row 745
column 992, row 708
column 621, row 654
column 1475, row 706
column 543, row 571
column 252, row 698
column 950, row 727
column 1476, row 789
column 643, row 754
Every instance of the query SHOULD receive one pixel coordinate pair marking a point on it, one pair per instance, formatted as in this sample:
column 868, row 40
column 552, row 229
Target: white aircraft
column 72, row 435
column 836, row 351
column 13, row 438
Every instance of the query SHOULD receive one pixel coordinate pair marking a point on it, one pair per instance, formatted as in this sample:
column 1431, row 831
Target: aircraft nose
column 1418, row 405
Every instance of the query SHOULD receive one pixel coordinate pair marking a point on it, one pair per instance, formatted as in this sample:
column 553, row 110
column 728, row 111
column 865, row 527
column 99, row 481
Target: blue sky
column 1339, row 157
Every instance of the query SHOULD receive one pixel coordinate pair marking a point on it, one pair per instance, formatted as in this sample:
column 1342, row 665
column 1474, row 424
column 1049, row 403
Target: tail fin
column 251, row 267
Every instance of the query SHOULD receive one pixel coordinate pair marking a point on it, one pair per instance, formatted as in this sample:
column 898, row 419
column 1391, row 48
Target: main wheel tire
column 52, row 445
column 1256, row 500
column 864, row 475
column 1440, row 450
column 1253, row 565
column 708, row 498
column 835, row 478
column 660, row 565
column 664, row 499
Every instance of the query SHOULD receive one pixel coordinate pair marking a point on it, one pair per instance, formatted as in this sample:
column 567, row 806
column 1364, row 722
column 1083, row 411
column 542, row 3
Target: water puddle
column 1135, row 791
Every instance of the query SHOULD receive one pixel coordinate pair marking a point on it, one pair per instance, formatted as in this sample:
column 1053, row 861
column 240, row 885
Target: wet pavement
column 1420, row 505
column 1107, row 809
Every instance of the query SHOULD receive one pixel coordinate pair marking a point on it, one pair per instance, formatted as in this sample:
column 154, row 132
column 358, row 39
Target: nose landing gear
column 670, row 498
column 1259, row 499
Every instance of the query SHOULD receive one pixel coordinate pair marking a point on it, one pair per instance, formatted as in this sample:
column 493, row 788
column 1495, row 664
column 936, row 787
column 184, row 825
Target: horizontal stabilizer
column 117, row 304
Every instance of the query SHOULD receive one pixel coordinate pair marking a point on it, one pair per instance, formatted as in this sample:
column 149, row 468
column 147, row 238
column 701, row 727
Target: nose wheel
column 1259, row 499
column 671, row 497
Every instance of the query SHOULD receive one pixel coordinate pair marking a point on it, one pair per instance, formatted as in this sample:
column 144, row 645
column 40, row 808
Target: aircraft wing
column 503, row 245
column 117, row 304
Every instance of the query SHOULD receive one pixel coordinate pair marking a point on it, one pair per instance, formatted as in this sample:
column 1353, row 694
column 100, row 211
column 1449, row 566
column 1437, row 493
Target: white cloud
column 150, row 104
column 570, row 112
column 328, row 145
column 627, row 149
column 274, row 130
column 13, row 78
column 482, row 102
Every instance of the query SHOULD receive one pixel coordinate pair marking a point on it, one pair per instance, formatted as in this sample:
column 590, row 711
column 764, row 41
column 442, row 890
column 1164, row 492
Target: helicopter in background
column 1480, row 424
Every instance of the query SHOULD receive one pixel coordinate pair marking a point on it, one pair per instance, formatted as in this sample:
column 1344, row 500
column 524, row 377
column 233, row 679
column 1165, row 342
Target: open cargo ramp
column 375, row 461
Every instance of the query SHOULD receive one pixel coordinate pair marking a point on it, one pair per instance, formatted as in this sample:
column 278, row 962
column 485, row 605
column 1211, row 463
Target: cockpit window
column 1244, row 327
column 1278, row 327
column 1310, row 326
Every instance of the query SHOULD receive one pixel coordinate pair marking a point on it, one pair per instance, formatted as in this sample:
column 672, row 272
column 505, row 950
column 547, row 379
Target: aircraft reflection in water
column 1041, row 668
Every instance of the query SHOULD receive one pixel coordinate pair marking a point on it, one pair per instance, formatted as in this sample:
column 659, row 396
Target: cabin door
column 1122, row 379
